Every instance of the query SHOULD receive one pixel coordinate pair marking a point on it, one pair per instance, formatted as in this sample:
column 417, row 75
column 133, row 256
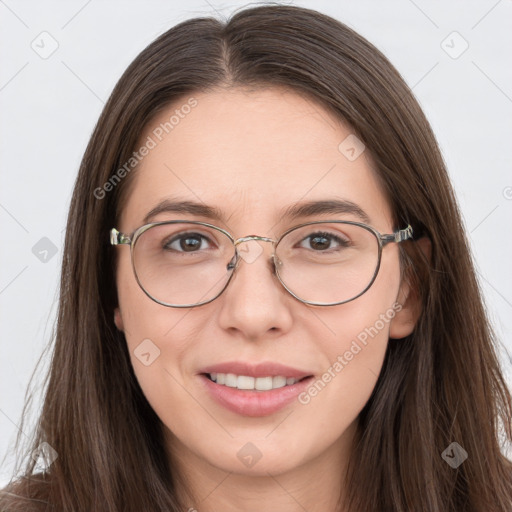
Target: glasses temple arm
column 398, row 236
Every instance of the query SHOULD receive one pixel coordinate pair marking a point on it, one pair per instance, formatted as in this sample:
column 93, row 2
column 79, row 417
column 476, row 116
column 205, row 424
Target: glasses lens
column 182, row 263
column 328, row 263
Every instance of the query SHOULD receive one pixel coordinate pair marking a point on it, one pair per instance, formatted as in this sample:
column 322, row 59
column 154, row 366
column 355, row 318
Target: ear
column 118, row 319
column 404, row 321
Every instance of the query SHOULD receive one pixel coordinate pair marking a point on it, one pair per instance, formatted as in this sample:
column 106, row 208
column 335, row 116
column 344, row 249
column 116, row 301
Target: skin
column 250, row 153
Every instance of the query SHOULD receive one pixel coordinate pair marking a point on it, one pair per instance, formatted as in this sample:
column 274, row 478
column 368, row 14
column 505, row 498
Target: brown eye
column 322, row 241
column 185, row 242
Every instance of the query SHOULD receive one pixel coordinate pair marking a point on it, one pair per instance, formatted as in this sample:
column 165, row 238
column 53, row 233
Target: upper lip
column 263, row 369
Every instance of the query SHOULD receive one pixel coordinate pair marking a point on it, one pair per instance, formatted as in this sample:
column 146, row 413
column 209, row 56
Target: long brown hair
column 441, row 384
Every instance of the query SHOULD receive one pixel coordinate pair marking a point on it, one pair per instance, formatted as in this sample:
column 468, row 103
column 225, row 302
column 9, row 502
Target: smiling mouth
column 245, row 382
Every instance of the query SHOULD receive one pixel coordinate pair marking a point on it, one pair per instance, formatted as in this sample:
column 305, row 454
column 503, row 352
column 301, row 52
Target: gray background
column 50, row 104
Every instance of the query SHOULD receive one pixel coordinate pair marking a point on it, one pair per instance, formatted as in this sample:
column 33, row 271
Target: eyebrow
column 291, row 212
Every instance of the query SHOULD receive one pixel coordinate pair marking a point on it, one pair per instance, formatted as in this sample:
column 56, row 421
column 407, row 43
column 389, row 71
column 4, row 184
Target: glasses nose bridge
column 254, row 237
column 250, row 238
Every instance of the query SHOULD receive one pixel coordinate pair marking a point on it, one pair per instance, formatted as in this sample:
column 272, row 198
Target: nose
column 255, row 303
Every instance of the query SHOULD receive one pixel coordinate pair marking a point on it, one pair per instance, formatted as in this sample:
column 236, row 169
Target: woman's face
column 250, row 155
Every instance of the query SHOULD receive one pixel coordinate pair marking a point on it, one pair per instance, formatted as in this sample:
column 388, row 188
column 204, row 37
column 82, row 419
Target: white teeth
column 278, row 382
column 231, row 380
column 263, row 383
column 244, row 382
column 252, row 383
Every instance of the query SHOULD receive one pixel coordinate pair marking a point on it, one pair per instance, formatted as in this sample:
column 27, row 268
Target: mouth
column 254, row 389
column 269, row 387
column 249, row 383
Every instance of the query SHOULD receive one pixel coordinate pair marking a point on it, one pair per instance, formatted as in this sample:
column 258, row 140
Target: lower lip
column 254, row 403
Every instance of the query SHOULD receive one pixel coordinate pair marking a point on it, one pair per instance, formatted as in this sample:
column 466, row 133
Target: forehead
column 249, row 154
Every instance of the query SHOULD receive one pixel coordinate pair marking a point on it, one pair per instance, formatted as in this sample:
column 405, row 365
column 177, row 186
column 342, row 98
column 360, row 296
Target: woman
column 267, row 298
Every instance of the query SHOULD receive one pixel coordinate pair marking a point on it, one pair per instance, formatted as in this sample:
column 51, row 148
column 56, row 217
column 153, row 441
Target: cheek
column 158, row 346
column 355, row 359
column 356, row 351
column 142, row 317
column 334, row 400
column 148, row 327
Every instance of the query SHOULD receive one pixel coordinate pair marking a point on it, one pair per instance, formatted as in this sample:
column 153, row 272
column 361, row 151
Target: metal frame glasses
column 117, row 238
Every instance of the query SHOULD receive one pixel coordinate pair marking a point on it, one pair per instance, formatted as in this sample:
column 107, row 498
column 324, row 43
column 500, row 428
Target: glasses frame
column 118, row 238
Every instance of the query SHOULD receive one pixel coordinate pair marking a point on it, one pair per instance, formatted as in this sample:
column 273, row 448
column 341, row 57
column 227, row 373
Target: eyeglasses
column 184, row 264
